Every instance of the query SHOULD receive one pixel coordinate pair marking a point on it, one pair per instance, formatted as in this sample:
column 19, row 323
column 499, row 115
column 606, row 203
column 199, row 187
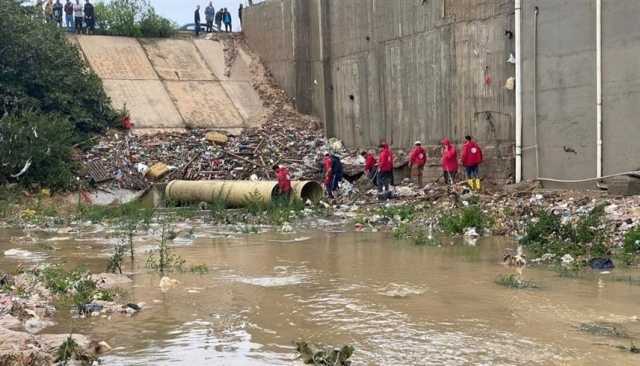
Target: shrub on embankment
column 132, row 18
column 49, row 100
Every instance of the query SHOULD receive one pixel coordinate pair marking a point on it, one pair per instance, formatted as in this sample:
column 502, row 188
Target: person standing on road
column 471, row 160
column 385, row 171
column 226, row 18
column 57, row 13
column 449, row 161
column 89, row 17
column 78, row 13
column 219, row 16
column 196, row 20
column 240, row 13
column 68, row 15
column 209, row 15
column 417, row 161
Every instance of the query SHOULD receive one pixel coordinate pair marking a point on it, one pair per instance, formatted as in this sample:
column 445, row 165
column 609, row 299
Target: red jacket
column 369, row 162
column 386, row 159
column 471, row 154
column 327, row 163
column 449, row 157
column 418, row 156
column 284, row 180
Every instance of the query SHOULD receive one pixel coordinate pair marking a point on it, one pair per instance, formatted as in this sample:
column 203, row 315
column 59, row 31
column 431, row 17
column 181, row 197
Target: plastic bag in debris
column 510, row 84
column 142, row 168
column 346, row 188
column 511, row 59
column 335, row 144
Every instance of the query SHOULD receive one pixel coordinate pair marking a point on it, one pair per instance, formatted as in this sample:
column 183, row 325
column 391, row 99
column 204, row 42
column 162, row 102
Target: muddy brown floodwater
column 397, row 303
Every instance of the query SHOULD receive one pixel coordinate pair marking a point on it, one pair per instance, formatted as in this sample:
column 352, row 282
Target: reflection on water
column 398, row 304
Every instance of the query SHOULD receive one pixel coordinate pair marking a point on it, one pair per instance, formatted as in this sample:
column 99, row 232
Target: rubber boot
column 470, row 182
column 477, row 181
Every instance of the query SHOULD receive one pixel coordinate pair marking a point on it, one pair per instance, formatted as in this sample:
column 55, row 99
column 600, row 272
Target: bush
column 44, row 83
column 587, row 236
column 632, row 241
column 132, row 18
column 468, row 217
column 41, row 143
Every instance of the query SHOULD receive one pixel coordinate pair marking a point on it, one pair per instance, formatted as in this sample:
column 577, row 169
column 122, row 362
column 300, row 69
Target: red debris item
column 487, row 77
column 126, row 123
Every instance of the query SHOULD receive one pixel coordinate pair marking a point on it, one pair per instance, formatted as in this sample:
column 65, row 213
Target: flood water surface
column 396, row 303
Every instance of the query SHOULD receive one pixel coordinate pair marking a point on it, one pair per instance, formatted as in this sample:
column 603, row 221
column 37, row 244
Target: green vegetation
column 67, row 350
column 515, row 282
column 49, row 100
column 417, row 235
column 162, row 260
column 631, row 245
column 132, row 18
column 587, row 237
column 199, row 269
column 456, row 222
column 115, row 261
column 400, row 213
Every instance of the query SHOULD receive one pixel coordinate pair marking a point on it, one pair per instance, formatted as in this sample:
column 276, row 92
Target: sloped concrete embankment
column 175, row 83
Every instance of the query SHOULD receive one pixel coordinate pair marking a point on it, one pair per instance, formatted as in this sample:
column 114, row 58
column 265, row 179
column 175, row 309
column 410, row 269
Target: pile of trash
column 133, row 161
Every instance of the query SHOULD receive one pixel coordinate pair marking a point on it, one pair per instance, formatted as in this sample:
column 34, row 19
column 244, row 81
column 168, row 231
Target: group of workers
column 219, row 18
column 380, row 171
column 77, row 16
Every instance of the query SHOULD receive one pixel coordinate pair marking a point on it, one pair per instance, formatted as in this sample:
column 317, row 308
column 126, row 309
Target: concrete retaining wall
column 560, row 72
column 399, row 71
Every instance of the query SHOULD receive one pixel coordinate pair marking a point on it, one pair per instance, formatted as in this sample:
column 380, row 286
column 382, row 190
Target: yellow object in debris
column 45, row 192
column 217, row 138
column 158, row 170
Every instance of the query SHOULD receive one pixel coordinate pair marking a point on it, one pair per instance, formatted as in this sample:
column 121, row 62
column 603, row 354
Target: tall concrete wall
column 560, row 87
column 400, row 70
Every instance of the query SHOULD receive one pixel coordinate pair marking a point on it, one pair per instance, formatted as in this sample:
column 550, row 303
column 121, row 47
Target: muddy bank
column 29, row 302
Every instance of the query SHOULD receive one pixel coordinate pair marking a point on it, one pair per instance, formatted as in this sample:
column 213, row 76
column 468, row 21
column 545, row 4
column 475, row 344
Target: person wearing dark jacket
column 338, row 172
column 68, row 15
column 57, row 13
column 218, row 19
column 89, row 17
column 209, row 15
column 226, row 19
column 240, row 13
column 196, row 20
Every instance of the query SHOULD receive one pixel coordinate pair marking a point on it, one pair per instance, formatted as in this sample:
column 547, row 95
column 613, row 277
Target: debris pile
column 135, row 161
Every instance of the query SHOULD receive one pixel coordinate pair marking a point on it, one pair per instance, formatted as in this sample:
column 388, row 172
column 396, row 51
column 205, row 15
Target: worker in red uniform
column 417, row 161
column 471, row 160
column 385, row 171
column 370, row 169
column 449, row 161
column 284, row 180
column 327, row 163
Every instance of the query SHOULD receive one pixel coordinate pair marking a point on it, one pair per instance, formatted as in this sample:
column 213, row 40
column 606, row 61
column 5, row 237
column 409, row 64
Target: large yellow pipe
column 237, row 193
